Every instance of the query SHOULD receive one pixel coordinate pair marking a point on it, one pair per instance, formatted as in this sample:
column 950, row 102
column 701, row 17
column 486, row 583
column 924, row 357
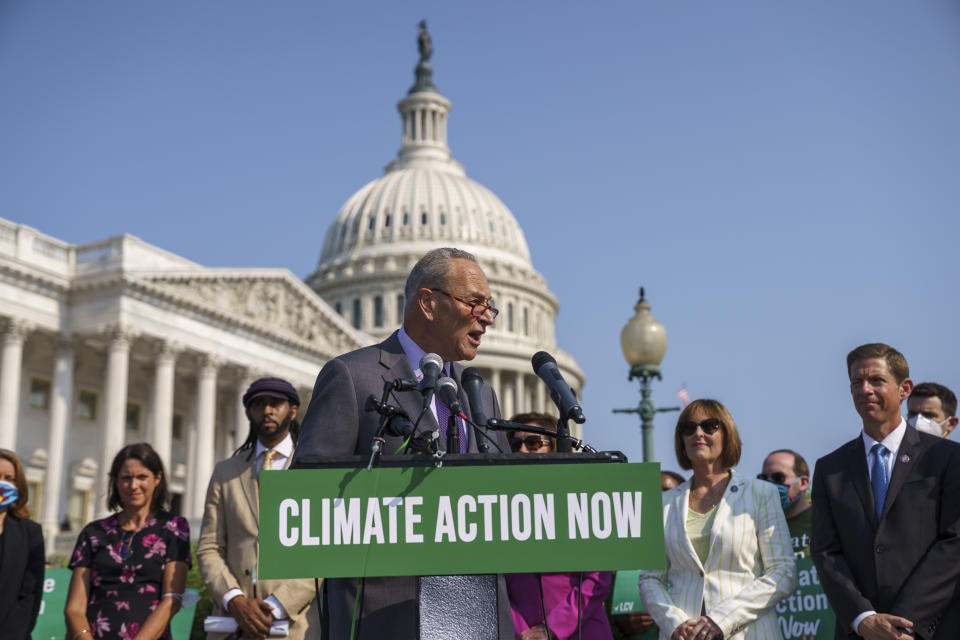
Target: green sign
column 626, row 599
column 56, row 585
column 805, row 614
column 336, row 523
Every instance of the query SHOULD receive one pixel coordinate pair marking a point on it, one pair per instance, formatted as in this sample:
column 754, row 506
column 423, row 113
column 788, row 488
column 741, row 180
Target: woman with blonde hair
column 21, row 553
column 729, row 557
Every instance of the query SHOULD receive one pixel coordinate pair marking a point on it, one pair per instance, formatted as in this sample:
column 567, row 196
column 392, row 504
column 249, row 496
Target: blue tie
column 878, row 476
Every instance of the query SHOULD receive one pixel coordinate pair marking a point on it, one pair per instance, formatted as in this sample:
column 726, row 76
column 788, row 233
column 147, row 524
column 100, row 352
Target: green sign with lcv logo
column 336, row 523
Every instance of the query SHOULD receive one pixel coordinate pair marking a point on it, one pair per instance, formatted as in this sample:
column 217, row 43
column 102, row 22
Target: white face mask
column 925, row 424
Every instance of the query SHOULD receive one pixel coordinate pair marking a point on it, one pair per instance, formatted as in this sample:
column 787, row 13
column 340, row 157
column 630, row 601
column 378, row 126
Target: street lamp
column 644, row 341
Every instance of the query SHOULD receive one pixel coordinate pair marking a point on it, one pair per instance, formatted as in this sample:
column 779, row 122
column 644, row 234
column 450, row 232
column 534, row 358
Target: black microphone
column 545, row 366
column 447, row 392
column 472, row 383
column 430, row 366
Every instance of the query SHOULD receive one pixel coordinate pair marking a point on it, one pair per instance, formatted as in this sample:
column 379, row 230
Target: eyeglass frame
column 494, row 312
column 527, row 440
column 708, row 429
column 777, row 477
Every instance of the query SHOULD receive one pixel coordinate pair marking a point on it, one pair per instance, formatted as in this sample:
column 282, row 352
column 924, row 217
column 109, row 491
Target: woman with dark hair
column 130, row 569
column 729, row 556
column 556, row 605
column 21, row 553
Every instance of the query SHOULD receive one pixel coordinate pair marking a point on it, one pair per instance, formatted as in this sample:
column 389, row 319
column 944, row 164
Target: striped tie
column 268, row 456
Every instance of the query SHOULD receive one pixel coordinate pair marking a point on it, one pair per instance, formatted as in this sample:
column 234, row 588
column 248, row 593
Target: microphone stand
column 563, row 436
column 386, row 412
column 453, row 434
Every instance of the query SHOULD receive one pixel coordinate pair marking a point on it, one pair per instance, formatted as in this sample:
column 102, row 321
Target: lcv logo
column 465, row 518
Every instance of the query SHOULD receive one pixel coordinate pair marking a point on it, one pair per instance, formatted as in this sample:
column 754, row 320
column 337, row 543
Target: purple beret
column 277, row 387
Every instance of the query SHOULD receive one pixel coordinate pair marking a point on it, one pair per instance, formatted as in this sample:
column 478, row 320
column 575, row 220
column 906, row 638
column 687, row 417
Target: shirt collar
column 891, row 442
column 414, row 353
column 284, row 449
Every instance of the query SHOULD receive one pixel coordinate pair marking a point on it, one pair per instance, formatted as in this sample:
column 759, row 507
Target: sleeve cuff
column 279, row 613
column 230, row 595
column 860, row 618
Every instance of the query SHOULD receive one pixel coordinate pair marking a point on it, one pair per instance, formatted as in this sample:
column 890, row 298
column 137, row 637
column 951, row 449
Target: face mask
column 922, row 423
column 8, row 494
column 785, row 500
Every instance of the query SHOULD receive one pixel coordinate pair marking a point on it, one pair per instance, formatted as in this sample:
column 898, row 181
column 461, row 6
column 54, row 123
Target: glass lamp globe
column 643, row 339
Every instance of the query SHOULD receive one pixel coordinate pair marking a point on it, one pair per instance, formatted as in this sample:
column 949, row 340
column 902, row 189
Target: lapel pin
column 904, row 459
column 734, row 489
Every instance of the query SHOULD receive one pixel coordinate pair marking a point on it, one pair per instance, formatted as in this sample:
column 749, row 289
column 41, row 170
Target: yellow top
column 698, row 528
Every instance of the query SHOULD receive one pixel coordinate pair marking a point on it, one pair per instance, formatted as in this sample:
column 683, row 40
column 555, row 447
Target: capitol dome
column 423, row 201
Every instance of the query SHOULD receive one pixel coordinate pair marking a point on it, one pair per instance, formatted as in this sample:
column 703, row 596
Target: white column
column 541, row 395
column 60, row 413
column 115, row 409
column 11, row 363
column 206, row 422
column 494, row 382
column 509, row 407
column 161, row 430
column 241, row 425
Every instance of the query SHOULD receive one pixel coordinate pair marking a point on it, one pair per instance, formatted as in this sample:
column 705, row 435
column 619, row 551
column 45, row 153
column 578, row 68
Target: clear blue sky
column 782, row 177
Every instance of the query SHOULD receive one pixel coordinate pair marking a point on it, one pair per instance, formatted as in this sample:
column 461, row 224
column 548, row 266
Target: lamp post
column 644, row 341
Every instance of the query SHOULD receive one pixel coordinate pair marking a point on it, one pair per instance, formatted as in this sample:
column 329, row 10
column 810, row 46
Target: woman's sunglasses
column 533, row 442
column 126, row 540
column 689, row 427
column 777, row 477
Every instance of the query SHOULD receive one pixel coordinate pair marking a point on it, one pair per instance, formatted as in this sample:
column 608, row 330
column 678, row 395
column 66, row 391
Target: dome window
column 491, row 226
column 510, row 317
column 386, row 220
column 423, row 218
column 400, row 303
column 443, row 218
column 378, row 319
column 357, row 313
column 338, row 308
column 373, row 222
column 406, row 218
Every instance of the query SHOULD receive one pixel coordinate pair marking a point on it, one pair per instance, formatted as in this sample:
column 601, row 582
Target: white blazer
column 750, row 565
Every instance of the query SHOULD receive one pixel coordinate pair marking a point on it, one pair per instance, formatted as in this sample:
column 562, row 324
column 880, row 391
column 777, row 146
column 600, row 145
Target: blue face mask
column 785, row 500
column 8, row 494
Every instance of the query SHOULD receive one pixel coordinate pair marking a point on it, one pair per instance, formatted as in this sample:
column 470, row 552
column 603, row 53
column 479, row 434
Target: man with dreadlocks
column 227, row 548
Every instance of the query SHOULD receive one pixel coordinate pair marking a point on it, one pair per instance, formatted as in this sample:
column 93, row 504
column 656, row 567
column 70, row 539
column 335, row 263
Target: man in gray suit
column 448, row 309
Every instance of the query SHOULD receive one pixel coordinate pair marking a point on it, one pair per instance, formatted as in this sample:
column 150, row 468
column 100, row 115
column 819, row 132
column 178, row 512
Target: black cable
column 478, row 429
column 580, row 609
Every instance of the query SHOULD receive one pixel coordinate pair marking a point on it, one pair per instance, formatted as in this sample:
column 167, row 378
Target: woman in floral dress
column 130, row 569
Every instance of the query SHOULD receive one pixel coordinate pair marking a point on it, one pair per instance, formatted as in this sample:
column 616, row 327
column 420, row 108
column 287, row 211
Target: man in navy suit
column 886, row 515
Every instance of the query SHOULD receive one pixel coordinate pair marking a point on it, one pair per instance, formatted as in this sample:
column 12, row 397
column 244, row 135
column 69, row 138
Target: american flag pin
column 904, row 459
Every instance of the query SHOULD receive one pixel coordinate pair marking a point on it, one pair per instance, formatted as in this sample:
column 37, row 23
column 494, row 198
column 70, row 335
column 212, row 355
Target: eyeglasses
column 709, row 426
column 126, row 541
column 477, row 309
column 777, row 477
column 533, row 443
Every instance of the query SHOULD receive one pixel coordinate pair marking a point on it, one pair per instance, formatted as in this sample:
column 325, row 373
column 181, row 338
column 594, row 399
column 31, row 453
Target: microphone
column 447, row 392
column 472, row 383
column 545, row 366
column 430, row 366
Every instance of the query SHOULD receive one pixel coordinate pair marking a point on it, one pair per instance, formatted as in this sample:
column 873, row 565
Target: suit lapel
column 395, row 364
column 906, row 458
column 678, row 518
column 856, row 473
column 731, row 497
column 248, row 479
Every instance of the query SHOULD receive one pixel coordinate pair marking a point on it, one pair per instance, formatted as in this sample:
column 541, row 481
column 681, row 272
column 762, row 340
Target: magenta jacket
column 560, row 601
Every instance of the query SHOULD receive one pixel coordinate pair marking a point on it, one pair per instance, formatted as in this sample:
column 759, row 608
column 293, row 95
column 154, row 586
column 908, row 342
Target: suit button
column 701, row 573
column 246, row 571
column 881, row 548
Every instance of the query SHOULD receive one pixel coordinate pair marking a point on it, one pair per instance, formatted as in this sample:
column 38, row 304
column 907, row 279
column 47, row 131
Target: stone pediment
column 272, row 301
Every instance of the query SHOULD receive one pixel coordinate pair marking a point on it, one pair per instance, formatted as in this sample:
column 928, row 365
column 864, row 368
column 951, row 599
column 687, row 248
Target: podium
column 421, row 542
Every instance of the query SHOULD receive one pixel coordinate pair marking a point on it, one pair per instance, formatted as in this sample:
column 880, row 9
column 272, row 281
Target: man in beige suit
column 227, row 549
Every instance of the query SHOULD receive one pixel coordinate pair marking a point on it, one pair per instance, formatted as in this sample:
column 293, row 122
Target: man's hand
column 702, row 628
column 633, row 623
column 883, row 626
column 253, row 616
column 538, row 632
